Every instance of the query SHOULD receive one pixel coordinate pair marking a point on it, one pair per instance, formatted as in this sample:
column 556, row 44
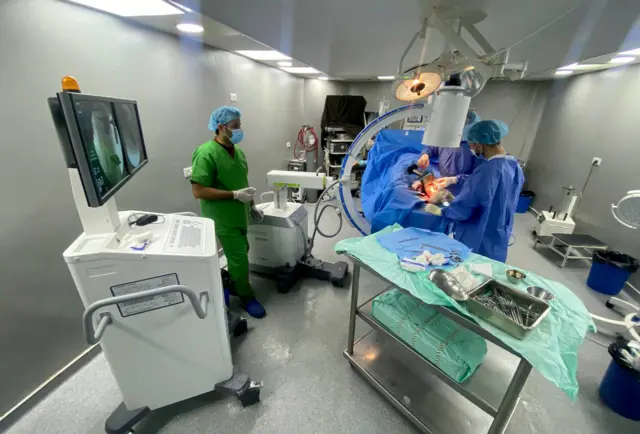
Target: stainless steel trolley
column 428, row 397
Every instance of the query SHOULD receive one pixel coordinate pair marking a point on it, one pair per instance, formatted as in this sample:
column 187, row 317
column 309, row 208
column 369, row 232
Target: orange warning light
column 70, row 84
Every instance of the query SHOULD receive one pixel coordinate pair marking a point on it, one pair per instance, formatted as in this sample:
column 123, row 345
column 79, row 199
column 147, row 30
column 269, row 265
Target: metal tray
column 498, row 318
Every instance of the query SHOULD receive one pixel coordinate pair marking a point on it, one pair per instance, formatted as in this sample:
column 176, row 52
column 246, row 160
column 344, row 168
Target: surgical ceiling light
column 285, row 63
column 132, row 8
column 386, row 77
column 301, row 70
column 564, row 72
column 323, row 78
column 190, row 28
column 461, row 62
column 263, row 54
column 417, row 85
column 621, row 60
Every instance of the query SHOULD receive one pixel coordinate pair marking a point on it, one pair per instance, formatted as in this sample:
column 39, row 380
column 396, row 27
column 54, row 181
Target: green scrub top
column 212, row 166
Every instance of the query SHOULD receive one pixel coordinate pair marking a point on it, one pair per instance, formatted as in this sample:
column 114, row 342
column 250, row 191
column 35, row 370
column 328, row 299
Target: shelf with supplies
column 337, row 142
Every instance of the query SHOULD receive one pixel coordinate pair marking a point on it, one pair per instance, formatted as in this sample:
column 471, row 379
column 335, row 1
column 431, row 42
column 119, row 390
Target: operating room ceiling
column 361, row 39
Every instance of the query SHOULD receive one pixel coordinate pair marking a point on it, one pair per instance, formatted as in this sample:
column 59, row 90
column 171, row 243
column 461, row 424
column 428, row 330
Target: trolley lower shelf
column 418, row 393
column 434, row 402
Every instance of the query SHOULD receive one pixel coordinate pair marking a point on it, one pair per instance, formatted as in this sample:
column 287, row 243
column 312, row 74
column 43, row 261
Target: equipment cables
column 307, row 141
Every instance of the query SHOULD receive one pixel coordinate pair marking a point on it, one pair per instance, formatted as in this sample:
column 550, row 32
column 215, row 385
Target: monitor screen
column 130, row 134
column 103, row 146
column 106, row 141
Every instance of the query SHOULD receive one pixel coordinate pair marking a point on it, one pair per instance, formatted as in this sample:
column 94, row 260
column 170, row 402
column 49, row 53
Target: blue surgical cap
column 472, row 118
column 223, row 115
column 488, row 132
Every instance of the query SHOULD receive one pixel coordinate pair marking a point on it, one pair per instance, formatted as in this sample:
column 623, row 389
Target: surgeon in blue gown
column 483, row 212
column 459, row 162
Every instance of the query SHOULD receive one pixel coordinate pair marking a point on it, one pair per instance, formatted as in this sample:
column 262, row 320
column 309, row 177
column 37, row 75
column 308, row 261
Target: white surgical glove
column 257, row 214
column 245, row 195
column 433, row 209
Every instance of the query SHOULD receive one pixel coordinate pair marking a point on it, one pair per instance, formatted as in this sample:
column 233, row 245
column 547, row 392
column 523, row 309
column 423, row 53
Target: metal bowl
column 540, row 293
column 515, row 276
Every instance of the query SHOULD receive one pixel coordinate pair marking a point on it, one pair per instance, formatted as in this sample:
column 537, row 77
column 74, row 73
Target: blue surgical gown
column 459, row 162
column 483, row 212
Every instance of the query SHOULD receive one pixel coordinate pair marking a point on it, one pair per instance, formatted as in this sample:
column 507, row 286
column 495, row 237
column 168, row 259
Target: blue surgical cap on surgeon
column 472, row 118
column 488, row 132
column 223, row 115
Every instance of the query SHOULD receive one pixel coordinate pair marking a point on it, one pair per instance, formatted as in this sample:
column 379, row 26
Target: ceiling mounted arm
column 422, row 33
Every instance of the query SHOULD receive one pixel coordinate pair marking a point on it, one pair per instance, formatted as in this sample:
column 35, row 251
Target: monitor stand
column 99, row 220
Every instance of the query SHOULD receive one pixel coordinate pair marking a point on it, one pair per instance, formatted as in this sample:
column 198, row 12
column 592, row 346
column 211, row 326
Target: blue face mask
column 236, row 136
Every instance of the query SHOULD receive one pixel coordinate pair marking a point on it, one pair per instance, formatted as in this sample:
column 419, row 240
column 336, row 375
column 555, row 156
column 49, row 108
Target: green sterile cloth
column 551, row 348
column 455, row 350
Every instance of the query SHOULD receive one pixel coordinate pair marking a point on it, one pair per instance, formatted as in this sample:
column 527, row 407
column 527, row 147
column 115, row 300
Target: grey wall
column 591, row 115
column 519, row 104
column 176, row 83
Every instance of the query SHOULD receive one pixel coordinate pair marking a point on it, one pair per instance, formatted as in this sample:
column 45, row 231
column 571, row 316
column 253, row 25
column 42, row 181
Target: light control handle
column 92, row 336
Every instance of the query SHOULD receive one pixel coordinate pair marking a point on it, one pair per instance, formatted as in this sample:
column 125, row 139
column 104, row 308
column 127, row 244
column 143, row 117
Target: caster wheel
column 240, row 328
column 338, row 283
column 251, row 396
column 284, row 285
column 609, row 304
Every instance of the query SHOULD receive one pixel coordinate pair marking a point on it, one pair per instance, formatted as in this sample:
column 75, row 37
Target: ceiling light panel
column 635, row 52
column 190, row 28
column 263, row 54
column 564, row 72
column 285, row 63
column 622, row 59
column 386, row 77
column 132, row 8
column 301, row 70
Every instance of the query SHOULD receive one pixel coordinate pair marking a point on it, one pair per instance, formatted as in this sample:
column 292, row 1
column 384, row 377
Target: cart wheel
column 337, row 282
column 240, row 328
column 250, row 396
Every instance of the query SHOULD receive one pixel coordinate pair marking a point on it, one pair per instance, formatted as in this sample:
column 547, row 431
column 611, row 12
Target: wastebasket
column 620, row 387
column 524, row 201
column 610, row 270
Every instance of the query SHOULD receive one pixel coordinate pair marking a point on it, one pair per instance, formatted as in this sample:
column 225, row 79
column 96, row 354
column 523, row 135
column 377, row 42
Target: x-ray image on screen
column 102, row 143
column 129, row 128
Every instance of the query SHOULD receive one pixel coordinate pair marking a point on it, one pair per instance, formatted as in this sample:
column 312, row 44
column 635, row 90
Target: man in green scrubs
column 219, row 179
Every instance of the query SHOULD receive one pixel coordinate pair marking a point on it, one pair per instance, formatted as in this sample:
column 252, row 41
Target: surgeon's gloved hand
column 257, row 214
column 446, row 181
column 441, row 196
column 423, row 161
column 244, row 195
column 433, row 209
column 417, row 186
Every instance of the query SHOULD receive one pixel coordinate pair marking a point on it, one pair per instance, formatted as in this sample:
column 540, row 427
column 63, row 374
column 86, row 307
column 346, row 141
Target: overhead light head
column 417, row 84
column 621, row 60
column 131, row 8
column 285, row 63
column 564, row 72
column 263, row 54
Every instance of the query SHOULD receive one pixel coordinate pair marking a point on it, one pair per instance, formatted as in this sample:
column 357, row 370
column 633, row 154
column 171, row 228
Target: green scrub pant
column 236, row 248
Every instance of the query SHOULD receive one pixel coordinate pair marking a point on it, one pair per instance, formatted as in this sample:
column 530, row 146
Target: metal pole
column 511, row 398
column 355, row 283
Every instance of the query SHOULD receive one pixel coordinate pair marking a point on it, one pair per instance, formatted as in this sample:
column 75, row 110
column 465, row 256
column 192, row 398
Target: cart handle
column 93, row 336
